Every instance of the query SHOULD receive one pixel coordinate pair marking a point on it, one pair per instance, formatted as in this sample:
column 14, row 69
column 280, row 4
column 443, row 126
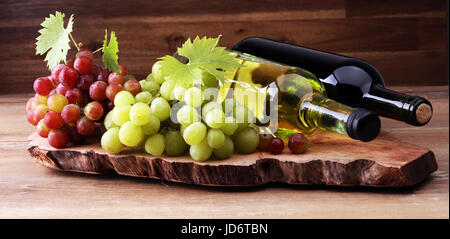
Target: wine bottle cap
column 363, row 125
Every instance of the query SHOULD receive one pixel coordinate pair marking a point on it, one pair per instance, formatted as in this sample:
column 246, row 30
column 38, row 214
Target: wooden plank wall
column 404, row 40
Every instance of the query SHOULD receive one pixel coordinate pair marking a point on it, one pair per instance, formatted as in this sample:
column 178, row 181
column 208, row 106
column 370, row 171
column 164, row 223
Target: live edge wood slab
column 332, row 159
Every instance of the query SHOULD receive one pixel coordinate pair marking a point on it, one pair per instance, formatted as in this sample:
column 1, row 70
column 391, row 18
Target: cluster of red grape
column 297, row 143
column 76, row 95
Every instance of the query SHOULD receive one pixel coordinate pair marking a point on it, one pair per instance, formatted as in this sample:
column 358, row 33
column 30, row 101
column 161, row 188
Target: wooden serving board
column 332, row 159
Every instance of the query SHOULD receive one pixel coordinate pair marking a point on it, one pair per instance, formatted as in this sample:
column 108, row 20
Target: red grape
column 86, row 53
column 276, row 146
column 97, row 91
column 68, row 77
column 264, row 141
column 298, row 143
column 55, row 72
column 112, row 90
column 58, row 138
column 94, row 110
column 75, row 96
column 39, row 112
column 30, row 118
column 61, row 89
column 133, row 87
column 42, row 129
column 95, row 70
column 103, row 75
column 56, row 102
column 83, row 64
column 75, row 137
column 109, row 106
column 31, row 104
column 115, row 77
column 53, row 120
column 85, row 126
column 70, row 64
column 123, row 70
column 85, row 82
column 52, row 92
column 71, row 113
column 43, row 85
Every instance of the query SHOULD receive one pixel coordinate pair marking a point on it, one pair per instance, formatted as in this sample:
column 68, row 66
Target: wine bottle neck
column 328, row 114
column 414, row 110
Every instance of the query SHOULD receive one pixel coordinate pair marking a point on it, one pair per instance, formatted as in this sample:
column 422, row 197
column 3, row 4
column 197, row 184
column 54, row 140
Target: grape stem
column 74, row 42
column 99, row 49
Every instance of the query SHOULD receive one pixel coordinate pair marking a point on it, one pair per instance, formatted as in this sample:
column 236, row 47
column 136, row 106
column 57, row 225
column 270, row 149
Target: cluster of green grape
column 167, row 117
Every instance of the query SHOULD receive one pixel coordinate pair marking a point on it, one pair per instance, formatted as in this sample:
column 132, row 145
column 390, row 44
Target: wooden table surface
column 28, row 190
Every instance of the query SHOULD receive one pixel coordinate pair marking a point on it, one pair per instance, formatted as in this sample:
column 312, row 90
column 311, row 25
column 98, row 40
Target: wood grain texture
column 404, row 40
column 332, row 159
column 28, row 190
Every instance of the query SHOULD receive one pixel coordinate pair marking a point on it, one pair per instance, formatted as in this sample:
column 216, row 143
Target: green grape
column 209, row 80
column 110, row 141
column 243, row 115
column 166, row 89
column 108, row 122
column 149, row 77
column 229, row 105
column 152, row 127
column 144, row 97
column 241, row 126
column 121, row 114
column 187, row 115
column 194, row 133
column 215, row 118
column 176, row 142
column 124, row 98
column 178, row 92
column 157, row 72
column 160, row 108
column 201, row 151
column 130, row 134
column 193, row 96
column 155, row 145
column 226, row 150
column 149, row 86
column 230, row 126
column 215, row 138
column 140, row 114
column 209, row 106
column 247, row 140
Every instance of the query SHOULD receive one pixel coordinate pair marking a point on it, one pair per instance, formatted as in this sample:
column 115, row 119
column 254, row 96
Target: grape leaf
column 203, row 54
column 110, row 50
column 180, row 72
column 54, row 39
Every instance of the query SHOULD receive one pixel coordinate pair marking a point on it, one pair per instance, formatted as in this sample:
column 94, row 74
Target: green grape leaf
column 180, row 72
column 110, row 50
column 54, row 39
column 203, row 55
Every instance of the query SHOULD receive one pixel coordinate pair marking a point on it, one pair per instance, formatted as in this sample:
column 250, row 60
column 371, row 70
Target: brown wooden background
column 404, row 40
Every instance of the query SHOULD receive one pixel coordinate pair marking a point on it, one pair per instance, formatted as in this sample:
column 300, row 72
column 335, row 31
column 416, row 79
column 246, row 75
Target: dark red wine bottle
column 348, row 80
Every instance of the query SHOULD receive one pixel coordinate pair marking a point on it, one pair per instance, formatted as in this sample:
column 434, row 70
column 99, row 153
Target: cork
column 423, row 113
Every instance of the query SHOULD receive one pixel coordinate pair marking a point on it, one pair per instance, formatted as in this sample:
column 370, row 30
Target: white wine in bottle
column 284, row 97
